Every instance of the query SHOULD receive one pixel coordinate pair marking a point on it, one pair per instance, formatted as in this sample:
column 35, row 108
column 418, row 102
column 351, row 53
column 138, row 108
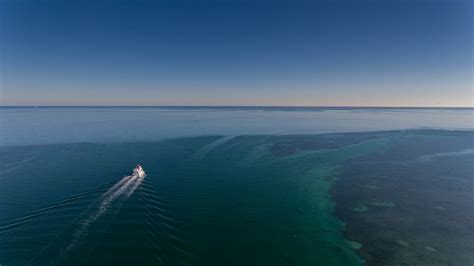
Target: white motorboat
column 138, row 171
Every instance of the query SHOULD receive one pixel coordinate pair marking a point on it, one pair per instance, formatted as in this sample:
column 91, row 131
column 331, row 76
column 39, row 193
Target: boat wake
column 122, row 190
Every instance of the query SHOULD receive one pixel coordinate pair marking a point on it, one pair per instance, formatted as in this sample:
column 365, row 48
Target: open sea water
column 235, row 186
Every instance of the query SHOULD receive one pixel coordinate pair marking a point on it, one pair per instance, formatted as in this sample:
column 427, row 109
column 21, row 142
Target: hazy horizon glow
column 320, row 53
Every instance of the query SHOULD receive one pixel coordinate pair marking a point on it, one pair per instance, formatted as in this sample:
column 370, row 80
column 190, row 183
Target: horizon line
column 246, row 106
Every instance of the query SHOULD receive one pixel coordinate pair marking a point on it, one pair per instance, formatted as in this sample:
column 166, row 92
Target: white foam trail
column 134, row 186
column 117, row 185
column 126, row 186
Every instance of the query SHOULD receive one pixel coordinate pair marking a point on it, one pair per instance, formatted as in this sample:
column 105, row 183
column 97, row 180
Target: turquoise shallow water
column 204, row 201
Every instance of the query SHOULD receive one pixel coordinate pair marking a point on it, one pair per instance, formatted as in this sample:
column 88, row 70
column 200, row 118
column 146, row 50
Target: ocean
column 236, row 186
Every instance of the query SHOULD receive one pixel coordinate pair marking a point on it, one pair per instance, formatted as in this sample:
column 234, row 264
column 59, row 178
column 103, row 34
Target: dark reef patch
column 423, row 187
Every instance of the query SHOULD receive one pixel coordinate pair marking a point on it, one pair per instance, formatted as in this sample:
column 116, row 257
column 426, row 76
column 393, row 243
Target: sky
column 241, row 52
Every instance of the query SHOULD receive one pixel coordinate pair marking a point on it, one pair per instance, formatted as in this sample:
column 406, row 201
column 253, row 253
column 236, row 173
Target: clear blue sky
column 223, row 52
